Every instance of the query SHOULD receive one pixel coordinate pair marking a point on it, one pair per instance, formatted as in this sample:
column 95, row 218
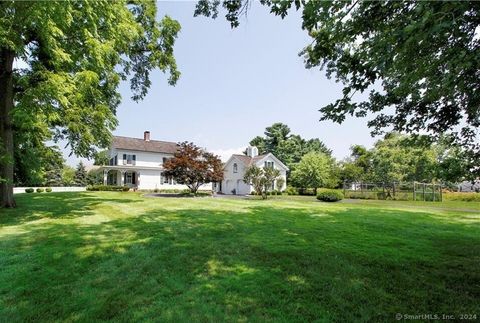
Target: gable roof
column 155, row 146
column 248, row 161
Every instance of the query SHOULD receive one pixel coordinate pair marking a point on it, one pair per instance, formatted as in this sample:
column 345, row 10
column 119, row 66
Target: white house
column 236, row 166
column 138, row 163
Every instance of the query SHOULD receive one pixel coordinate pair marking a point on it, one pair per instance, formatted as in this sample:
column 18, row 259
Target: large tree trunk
column 6, row 127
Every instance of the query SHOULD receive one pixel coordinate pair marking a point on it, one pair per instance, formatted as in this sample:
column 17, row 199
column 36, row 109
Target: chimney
column 252, row 151
column 146, row 136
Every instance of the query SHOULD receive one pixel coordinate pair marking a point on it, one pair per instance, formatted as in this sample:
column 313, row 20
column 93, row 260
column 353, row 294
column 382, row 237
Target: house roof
column 156, row 146
column 247, row 160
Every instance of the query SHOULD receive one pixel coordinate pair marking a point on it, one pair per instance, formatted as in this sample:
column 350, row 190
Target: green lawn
column 123, row 257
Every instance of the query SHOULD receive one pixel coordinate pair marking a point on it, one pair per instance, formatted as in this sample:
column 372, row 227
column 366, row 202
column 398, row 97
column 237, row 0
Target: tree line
column 394, row 158
column 48, row 168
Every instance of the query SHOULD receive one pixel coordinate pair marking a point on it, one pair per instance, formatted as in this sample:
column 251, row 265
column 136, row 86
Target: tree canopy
column 405, row 158
column 76, row 54
column 262, row 179
column 314, row 170
column 418, row 60
column 287, row 147
column 193, row 166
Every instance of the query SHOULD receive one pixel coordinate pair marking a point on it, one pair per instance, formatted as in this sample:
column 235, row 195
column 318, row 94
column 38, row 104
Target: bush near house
column 108, row 188
column 291, row 190
column 40, row 190
column 48, row 189
column 29, row 190
column 327, row 195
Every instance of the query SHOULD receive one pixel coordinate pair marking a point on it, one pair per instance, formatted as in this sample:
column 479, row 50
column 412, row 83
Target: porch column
column 138, row 179
column 105, row 176
column 122, row 178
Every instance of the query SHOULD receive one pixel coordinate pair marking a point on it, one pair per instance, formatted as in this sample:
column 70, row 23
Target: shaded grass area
column 119, row 256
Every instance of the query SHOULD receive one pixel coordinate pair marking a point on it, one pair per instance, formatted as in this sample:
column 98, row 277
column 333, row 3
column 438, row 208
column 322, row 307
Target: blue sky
column 235, row 83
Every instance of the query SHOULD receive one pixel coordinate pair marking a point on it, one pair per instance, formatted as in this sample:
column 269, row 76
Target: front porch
column 115, row 177
column 125, row 175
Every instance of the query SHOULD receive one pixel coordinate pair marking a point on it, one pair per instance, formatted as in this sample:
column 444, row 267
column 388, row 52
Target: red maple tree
column 193, row 166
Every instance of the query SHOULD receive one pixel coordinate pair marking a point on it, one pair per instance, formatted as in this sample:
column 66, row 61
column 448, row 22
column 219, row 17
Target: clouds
column 225, row 154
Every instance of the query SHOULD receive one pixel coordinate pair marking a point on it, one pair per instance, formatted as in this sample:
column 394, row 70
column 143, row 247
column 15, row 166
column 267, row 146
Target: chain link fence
column 404, row 191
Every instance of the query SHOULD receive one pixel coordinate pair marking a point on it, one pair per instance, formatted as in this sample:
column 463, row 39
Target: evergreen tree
column 80, row 178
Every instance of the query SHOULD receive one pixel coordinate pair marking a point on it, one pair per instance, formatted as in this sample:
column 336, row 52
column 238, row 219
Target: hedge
column 108, row 188
column 326, row 195
column 29, row 190
column 461, row 196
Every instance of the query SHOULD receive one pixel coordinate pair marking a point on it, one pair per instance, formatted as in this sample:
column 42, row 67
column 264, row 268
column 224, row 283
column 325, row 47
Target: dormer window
column 269, row 164
column 235, row 168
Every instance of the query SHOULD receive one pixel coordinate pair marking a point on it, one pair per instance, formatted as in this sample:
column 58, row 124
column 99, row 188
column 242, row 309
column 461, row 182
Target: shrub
column 105, row 188
column 156, row 190
column 461, row 196
column 125, row 188
column 40, row 190
column 48, row 189
column 306, row 191
column 291, row 190
column 329, row 195
column 29, row 190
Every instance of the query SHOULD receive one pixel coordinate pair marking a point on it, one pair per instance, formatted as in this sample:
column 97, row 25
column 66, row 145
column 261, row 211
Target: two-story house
column 138, row 163
column 235, row 168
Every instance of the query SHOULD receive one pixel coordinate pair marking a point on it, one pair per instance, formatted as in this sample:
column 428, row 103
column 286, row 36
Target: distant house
column 468, row 186
column 235, row 168
column 138, row 163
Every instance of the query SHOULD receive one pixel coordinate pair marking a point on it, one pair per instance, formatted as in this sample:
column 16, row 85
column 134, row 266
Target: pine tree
column 80, row 178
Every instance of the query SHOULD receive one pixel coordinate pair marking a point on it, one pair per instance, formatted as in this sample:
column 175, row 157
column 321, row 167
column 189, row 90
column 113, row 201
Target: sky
column 234, row 84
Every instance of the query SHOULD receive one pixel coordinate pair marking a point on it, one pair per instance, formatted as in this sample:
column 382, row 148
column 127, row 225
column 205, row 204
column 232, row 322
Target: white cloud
column 226, row 153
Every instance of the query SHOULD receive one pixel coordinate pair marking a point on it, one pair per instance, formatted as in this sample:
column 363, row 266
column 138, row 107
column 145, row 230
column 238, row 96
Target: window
column 164, row 159
column 235, row 168
column 129, row 159
column 165, row 180
column 269, row 164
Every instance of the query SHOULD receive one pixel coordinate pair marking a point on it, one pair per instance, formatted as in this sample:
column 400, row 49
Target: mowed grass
column 123, row 257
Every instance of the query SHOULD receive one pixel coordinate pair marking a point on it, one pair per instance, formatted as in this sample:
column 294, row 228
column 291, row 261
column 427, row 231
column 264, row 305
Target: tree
column 262, row 179
column 76, row 55
column 287, row 147
column 270, row 175
column 254, row 176
column 68, row 175
column 94, row 177
column 279, row 184
column 53, row 167
column 80, row 178
column 313, row 171
column 101, row 158
column 193, row 166
column 419, row 61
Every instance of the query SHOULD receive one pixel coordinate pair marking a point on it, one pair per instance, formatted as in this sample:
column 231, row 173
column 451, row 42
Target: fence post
column 441, row 197
column 384, row 196
column 433, row 192
column 344, row 188
column 393, row 190
column 424, row 192
column 414, row 192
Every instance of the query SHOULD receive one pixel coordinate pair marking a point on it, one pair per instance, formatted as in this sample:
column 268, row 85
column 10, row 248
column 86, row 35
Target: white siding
column 283, row 172
column 235, row 180
column 147, row 159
